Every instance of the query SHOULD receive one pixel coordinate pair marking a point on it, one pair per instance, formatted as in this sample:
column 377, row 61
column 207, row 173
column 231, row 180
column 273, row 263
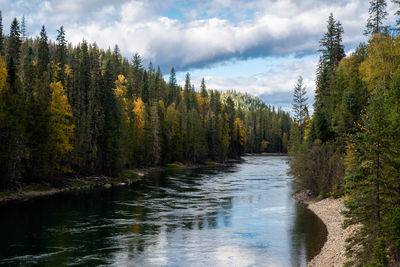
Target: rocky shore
column 333, row 251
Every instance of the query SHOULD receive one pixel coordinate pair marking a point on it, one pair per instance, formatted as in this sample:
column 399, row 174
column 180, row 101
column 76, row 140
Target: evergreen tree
column 299, row 101
column 43, row 52
column 397, row 2
column 331, row 43
column 377, row 14
column 172, row 87
column 187, row 92
column 145, row 95
column 23, row 28
column 61, row 55
column 203, row 89
column 1, row 35
column 14, row 43
column 137, row 74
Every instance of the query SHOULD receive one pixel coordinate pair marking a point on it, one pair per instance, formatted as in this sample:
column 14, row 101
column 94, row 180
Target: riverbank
column 127, row 177
column 333, row 251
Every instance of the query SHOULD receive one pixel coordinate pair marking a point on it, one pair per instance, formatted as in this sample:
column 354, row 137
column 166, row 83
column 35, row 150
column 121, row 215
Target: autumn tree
column 61, row 128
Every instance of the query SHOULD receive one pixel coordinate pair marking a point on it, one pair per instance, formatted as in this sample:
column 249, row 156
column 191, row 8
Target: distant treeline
column 351, row 144
column 82, row 110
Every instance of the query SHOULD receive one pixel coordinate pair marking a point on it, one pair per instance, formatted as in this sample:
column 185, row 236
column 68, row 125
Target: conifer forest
column 80, row 110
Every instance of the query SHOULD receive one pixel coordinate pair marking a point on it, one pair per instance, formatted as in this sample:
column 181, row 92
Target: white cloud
column 269, row 27
column 205, row 33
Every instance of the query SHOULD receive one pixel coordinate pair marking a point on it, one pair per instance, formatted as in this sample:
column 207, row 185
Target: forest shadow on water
column 241, row 215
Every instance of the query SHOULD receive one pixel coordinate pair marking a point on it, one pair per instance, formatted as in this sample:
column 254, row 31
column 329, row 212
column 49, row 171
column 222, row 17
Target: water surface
column 241, row 215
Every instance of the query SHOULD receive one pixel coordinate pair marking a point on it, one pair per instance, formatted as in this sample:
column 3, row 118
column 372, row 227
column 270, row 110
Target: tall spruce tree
column 203, row 89
column 14, row 43
column 300, row 107
column 61, row 55
column 172, row 87
column 1, row 35
column 377, row 14
column 397, row 13
column 43, row 52
column 23, row 28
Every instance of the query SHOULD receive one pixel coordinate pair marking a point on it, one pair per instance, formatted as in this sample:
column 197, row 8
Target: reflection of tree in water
column 308, row 234
column 94, row 228
column 171, row 204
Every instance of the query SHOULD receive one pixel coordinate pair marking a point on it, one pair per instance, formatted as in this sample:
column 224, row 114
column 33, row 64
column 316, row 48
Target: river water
column 241, row 215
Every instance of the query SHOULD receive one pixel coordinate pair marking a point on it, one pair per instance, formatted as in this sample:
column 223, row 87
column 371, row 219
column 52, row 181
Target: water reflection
column 242, row 216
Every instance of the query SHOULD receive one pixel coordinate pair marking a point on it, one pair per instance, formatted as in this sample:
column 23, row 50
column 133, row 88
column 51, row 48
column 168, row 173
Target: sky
column 259, row 47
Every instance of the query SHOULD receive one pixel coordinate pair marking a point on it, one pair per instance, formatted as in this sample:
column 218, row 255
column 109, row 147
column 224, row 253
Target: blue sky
column 259, row 47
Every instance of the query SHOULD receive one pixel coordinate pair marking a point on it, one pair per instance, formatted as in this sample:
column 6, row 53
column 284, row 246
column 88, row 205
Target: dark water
column 234, row 216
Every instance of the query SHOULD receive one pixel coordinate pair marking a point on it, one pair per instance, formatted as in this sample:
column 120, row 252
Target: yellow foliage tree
column 120, row 92
column 138, row 111
column 61, row 126
column 383, row 58
column 3, row 74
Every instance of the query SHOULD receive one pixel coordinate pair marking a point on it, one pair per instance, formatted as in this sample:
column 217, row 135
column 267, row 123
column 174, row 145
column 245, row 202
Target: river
column 242, row 215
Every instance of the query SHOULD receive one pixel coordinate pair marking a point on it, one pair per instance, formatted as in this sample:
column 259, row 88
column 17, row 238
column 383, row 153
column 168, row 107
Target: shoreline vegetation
column 128, row 177
column 350, row 146
column 329, row 210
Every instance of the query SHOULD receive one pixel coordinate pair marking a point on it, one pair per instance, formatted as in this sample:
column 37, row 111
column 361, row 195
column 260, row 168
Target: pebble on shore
column 333, row 251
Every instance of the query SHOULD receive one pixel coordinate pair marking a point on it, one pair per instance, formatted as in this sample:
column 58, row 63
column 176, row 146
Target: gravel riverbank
column 333, row 252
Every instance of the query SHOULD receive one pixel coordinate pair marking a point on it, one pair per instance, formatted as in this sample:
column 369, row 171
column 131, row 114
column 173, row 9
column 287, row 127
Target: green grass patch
column 130, row 175
column 6, row 194
column 38, row 188
column 77, row 183
column 175, row 165
column 210, row 163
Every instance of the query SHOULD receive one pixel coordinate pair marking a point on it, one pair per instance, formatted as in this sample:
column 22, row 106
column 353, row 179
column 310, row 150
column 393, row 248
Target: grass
column 130, row 175
column 81, row 183
column 38, row 188
column 175, row 165
column 210, row 163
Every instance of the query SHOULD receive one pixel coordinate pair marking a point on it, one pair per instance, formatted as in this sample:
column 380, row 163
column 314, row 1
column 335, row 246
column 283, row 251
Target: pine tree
column 299, row 101
column 203, row 89
column 43, row 52
column 23, row 28
column 1, row 35
column 172, row 87
column 61, row 55
column 397, row 2
column 187, row 92
column 137, row 74
column 14, row 43
column 377, row 14
column 29, row 73
column 145, row 95
column 331, row 43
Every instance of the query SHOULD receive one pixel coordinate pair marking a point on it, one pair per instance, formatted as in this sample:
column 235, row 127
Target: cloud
column 281, row 28
column 209, row 32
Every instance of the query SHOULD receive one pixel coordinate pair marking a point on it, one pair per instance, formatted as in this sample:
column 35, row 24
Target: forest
column 351, row 144
column 76, row 110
